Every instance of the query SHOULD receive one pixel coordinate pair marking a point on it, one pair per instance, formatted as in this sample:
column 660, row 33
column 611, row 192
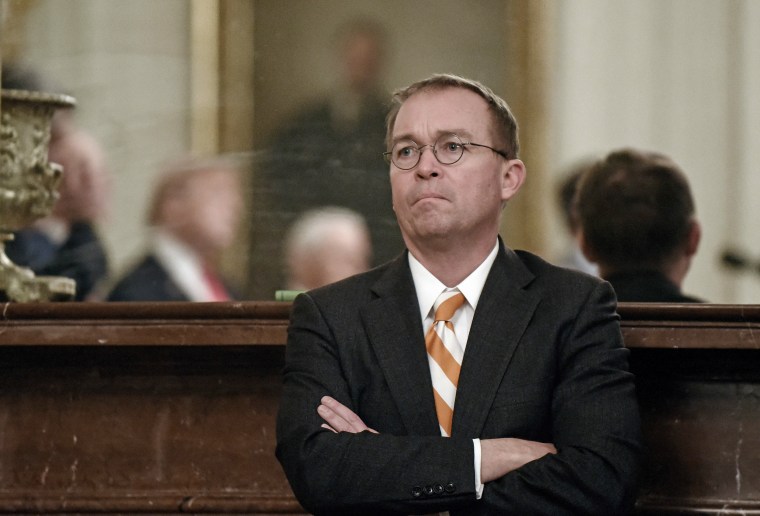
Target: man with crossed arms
column 545, row 419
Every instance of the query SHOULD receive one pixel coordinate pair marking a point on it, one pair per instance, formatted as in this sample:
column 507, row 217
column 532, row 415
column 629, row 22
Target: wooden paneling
column 144, row 324
column 129, row 408
column 698, row 380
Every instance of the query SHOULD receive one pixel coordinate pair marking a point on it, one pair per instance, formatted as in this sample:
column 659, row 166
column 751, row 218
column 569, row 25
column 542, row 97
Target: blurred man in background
column 638, row 224
column 326, row 245
column 194, row 214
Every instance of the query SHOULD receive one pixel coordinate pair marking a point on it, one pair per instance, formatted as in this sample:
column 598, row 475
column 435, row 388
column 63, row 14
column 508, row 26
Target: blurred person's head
column 361, row 46
column 566, row 191
column 637, row 213
column 199, row 202
column 326, row 245
column 570, row 254
column 84, row 190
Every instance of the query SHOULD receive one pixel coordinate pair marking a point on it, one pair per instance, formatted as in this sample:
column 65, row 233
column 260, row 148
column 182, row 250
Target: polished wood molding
column 144, row 324
column 690, row 326
column 265, row 322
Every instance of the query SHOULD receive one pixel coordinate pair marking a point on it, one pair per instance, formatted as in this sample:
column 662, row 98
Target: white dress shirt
column 183, row 265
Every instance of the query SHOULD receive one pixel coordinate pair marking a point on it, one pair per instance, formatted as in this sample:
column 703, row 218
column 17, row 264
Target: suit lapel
column 394, row 329
column 502, row 314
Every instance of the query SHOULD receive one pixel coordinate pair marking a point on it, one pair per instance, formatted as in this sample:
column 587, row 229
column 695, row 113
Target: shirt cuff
column 478, row 484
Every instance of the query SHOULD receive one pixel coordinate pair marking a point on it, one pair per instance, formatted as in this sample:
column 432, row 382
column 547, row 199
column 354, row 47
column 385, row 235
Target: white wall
column 744, row 231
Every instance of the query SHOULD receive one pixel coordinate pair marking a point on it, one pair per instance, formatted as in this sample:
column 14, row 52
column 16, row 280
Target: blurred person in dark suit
column 194, row 214
column 638, row 224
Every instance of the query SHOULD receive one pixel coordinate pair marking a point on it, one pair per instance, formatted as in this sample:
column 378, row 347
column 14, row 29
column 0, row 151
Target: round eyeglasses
column 447, row 149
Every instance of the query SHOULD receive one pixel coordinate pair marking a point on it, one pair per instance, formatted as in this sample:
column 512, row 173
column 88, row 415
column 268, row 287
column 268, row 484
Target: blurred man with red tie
column 194, row 215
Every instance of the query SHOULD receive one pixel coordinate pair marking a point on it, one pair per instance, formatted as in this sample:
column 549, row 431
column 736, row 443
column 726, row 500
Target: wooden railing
column 168, row 408
column 698, row 381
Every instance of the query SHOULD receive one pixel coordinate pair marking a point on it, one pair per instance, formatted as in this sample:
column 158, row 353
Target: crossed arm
column 498, row 456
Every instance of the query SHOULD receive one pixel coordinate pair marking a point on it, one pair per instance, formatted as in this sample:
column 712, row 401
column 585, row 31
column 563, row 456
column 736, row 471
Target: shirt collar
column 182, row 264
column 428, row 287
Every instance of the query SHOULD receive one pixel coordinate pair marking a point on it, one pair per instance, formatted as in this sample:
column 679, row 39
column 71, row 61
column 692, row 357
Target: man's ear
column 512, row 178
column 693, row 239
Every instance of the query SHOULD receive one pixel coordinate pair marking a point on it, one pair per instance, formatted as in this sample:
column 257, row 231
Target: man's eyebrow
column 462, row 133
column 405, row 136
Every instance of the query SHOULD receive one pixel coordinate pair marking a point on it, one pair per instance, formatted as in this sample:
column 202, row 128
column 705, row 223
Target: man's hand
column 500, row 456
column 340, row 418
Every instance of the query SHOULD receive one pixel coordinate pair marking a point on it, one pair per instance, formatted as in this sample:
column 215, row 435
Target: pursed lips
column 428, row 195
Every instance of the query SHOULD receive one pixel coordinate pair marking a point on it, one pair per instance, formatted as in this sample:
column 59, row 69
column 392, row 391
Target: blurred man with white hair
column 326, row 245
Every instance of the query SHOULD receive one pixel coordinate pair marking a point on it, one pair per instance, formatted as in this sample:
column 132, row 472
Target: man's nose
column 428, row 164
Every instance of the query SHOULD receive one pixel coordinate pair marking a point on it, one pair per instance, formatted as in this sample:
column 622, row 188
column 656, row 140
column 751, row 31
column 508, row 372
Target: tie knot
column 447, row 304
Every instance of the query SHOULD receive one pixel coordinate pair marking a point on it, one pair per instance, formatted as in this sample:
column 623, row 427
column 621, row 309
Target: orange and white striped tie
column 444, row 357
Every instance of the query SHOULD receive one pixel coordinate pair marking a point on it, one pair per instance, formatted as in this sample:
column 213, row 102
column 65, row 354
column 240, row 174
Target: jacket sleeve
column 595, row 426
column 362, row 473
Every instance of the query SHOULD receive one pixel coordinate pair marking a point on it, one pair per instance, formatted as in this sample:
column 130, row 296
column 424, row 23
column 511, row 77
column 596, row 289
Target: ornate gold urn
column 28, row 186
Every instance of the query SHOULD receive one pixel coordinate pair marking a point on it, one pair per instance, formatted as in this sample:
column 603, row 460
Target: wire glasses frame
column 447, row 149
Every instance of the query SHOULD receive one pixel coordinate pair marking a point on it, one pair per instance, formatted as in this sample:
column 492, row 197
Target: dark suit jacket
column 147, row 281
column 150, row 281
column 81, row 257
column 646, row 286
column 544, row 362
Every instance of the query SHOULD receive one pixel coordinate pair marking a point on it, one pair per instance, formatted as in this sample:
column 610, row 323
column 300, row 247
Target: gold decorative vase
column 28, row 186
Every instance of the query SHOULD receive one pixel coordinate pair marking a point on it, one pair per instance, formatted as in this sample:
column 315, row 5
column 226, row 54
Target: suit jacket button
column 416, row 491
column 438, row 489
column 428, row 490
column 450, row 487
